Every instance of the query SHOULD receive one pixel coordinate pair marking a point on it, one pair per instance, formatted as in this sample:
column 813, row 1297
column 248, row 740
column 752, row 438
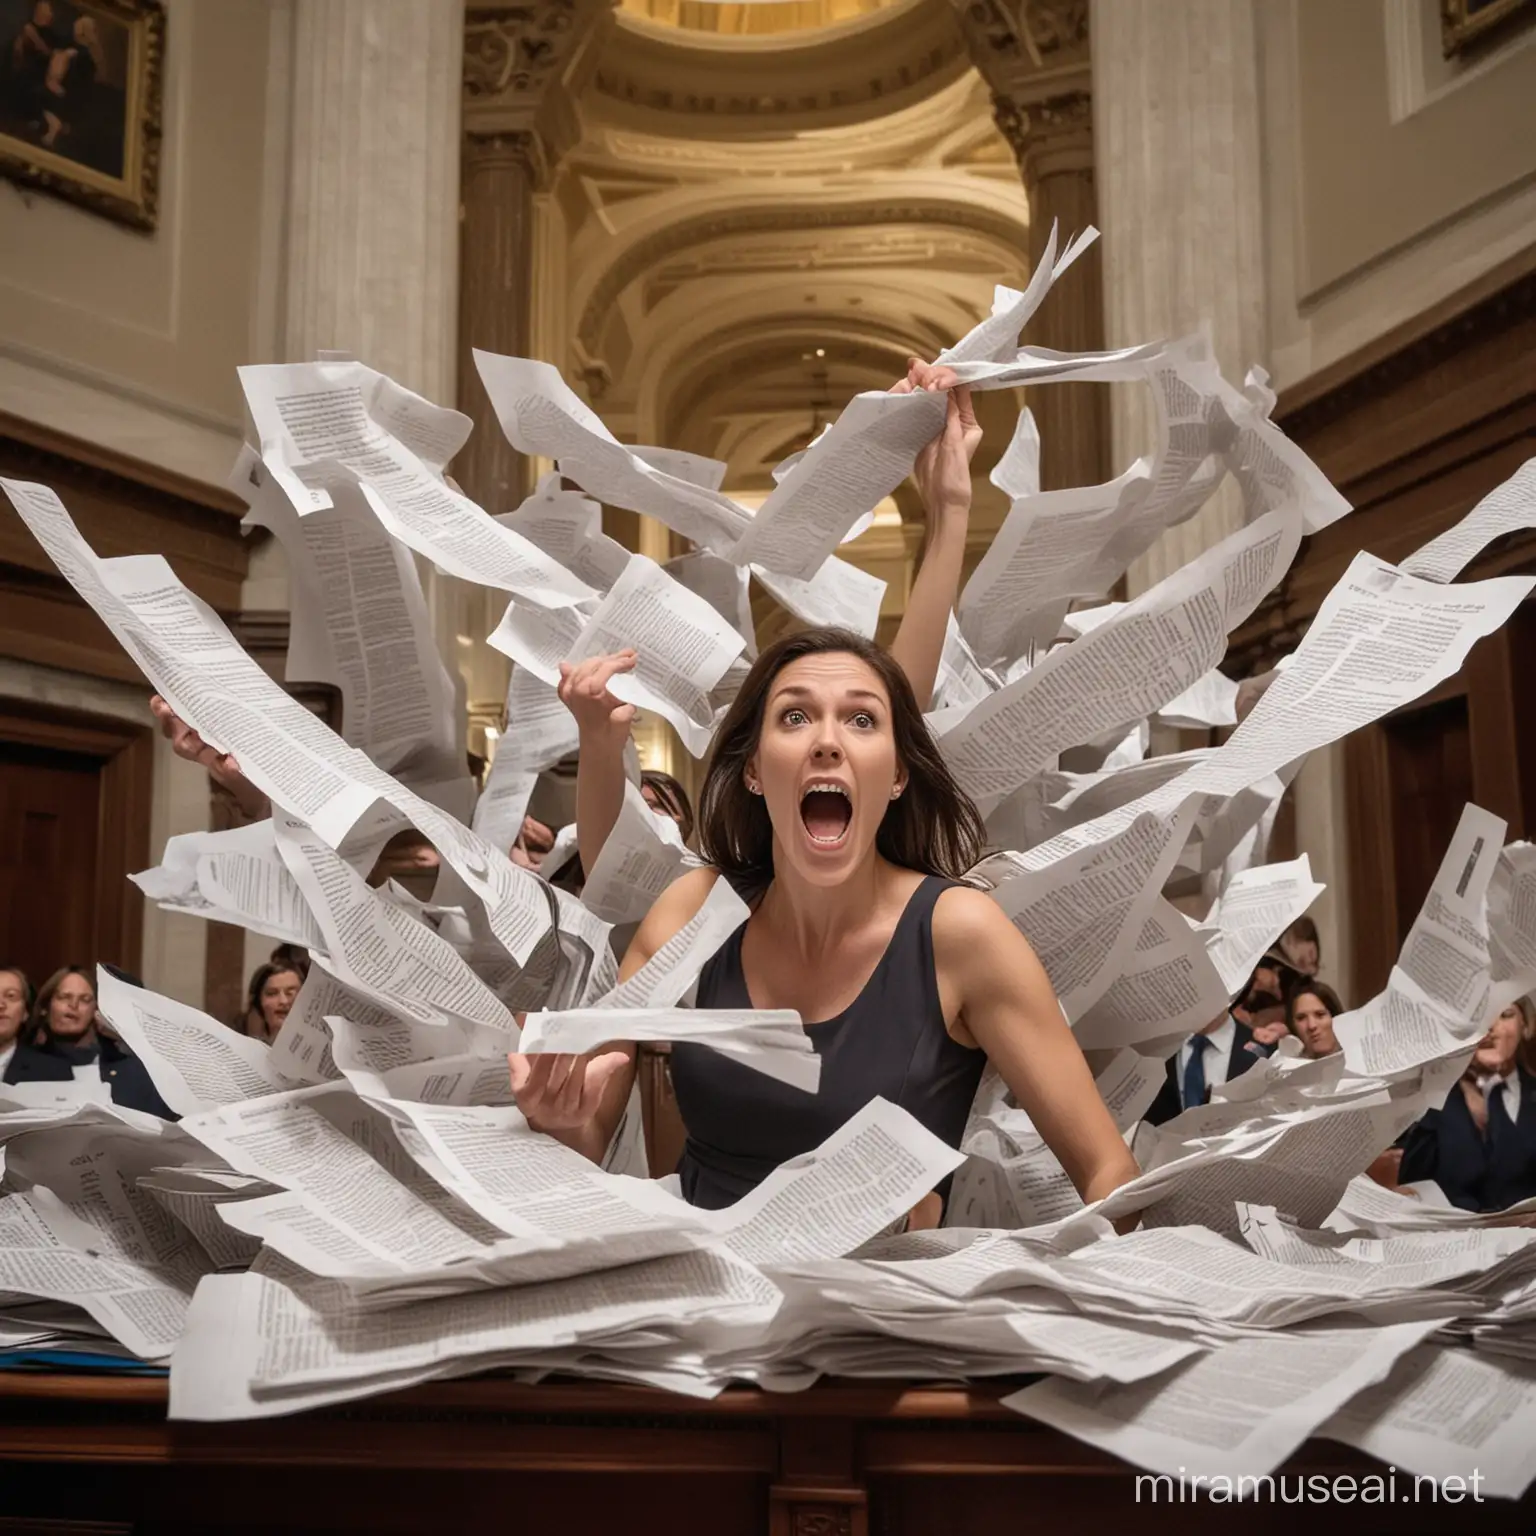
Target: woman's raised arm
column 943, row 476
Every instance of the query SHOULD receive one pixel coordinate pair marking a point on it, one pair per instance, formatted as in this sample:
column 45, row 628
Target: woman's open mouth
column 827, row 810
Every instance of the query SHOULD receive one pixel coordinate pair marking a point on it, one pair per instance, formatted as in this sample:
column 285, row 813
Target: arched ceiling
column 738, row 70
column 704, row 270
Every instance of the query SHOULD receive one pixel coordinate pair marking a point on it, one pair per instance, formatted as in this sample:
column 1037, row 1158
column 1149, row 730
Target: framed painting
column 80, row 89
column 1465, row 22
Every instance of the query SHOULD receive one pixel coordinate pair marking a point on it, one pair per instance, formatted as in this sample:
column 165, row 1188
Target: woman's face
column 277, row 995
column 1312, row 1023
column 13, row 1007
column 826, row 764
column 73, row 1008
column 1496, row 1053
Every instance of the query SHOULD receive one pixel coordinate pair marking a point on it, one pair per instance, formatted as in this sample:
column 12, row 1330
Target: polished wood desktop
column 93, row 1456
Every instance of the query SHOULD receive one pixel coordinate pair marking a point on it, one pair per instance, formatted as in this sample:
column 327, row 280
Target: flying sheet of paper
column 360, row 621
column 1445, row 1413
column 374, row 947
column 321, row 421
column 1234, row 1413
column 1436, row 998
column 643, row 855
column 867, row 453
column 195, row 1062
column 1168, row 984
column 998, row 335
column 1507, row 508
column 771, row 1041
column 1148, row 653
column 1256, row 907
column 541, row 415
column 839, row 594
column 683, row 647
column 866, row 1175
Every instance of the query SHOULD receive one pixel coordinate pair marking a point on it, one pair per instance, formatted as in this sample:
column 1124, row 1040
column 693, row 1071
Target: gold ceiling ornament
column 751, row 18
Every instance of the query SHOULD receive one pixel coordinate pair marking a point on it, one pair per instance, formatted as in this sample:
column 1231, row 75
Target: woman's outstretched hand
column 560, row 1094
column 600, row 717
column 185, row 742
column 943, row 468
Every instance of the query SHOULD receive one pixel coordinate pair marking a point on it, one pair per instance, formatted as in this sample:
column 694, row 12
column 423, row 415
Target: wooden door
column 49, row 802
column 74, row 824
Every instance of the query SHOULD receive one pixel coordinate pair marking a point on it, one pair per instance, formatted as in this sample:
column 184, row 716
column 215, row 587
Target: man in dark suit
column 1480, row 1146
column 1224, row 1049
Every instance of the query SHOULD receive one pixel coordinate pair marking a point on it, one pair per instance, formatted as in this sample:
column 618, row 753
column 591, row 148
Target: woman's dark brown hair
column 932, row 827
column 673, row 796
column 1320, row 990
column 41, row 1034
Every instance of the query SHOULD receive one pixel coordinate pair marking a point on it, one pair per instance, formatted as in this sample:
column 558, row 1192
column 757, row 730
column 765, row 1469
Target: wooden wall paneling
column 1372, row 865
column 1494, row 686
column 44, row 623
column 123, row 506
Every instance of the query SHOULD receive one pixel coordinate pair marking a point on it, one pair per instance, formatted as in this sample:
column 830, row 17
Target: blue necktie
column 1194, row 1071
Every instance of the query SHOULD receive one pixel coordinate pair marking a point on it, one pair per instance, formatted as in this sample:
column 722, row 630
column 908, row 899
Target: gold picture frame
column 81, row 86
column 1465, row 22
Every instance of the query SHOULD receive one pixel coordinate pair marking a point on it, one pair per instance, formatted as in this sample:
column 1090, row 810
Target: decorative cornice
column 1049, row 136
column 869, row 67
column 1034, row 56
column 524, row 66
column 1373, row 372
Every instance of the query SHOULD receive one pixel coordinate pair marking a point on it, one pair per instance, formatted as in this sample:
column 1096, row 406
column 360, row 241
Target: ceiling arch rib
column 768, row 368
column 610, row 263
column 711, row 83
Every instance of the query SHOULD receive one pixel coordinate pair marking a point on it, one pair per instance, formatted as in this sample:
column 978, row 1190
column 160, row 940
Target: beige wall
column 132, row 339
column 1393, row 176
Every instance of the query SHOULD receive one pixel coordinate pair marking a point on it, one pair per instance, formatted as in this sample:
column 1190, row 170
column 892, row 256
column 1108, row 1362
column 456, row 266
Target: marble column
column 372, row 261
column 1176, row 124
column 523, row 69
column 1034, row 56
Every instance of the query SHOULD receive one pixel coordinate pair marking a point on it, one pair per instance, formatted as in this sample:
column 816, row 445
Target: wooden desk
column 90, row 1455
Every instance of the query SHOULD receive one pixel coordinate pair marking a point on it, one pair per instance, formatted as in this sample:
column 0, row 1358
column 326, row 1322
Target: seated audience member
column 1262, row 1006
column 1310, row 1009
column 62, row 1035
column 667, row 797
column 1224, row 1049
column 273, row 988
column 125, row 1075
column 1480, row 1145
column 1299, row 944
column 15, row 1004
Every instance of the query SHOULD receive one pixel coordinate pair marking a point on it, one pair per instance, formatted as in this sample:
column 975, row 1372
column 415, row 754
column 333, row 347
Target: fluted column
column 1176, row 117
column 374, row 187
column 1034, row 56
column 373, row 197
column 523, row 70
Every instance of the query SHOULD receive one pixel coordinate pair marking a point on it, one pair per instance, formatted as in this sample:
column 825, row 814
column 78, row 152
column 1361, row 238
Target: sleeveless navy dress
column 890, row 1042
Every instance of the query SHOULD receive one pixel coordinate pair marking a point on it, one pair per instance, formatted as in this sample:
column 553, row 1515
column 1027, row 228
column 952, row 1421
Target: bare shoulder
column 964, row 916
column 973, row 937
column 676, row 906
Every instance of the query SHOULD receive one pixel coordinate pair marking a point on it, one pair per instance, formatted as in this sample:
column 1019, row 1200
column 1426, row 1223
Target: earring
column 754, row 787
column 896, row 792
